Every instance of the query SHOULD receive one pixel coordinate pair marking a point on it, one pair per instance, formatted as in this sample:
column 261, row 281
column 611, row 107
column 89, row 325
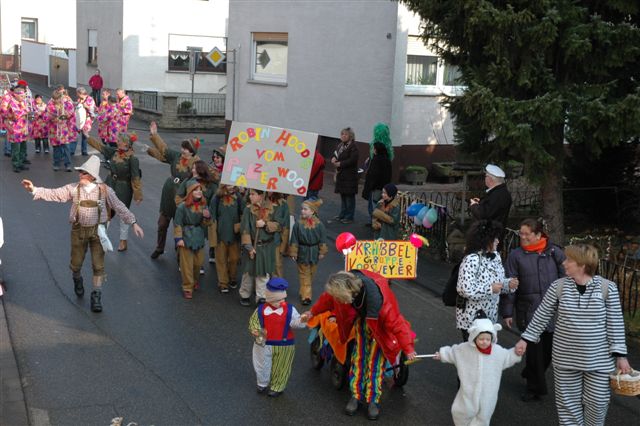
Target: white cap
column 494, row 170
column 484, row 325
column 91, row 166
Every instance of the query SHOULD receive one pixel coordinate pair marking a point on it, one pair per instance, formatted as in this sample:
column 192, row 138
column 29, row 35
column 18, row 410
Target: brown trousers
column 227, row 257
column 83, row 237
column 305, row 274
column 163, row 226
column 190, row 263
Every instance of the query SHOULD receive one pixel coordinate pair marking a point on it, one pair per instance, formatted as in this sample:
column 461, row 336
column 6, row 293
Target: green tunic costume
column 191, row 226
column 281, row 215
column 180, row 171
column 124, row 177
column 264, row 261
column 308, row 240
column 386, row 220
column 226, row 212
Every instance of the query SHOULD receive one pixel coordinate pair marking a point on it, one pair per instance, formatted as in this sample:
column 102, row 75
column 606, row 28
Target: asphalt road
column 156, row 359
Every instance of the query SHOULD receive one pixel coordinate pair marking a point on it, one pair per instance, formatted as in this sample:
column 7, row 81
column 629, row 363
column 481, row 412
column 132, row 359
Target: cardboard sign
column 391, row 259
column 269, row 158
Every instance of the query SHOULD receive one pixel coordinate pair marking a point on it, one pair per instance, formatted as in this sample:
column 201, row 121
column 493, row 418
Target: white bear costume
column 479, row 374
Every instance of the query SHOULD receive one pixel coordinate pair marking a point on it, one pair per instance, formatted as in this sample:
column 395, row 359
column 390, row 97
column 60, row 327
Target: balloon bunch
column 422, row 215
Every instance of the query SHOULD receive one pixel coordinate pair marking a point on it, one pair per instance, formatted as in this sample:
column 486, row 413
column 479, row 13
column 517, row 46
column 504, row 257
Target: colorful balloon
column 345, row 242
column 426, row 223
column 418, row 240
column 432, row 215
column 417, row 221
column 422, row 213
column 413, row 209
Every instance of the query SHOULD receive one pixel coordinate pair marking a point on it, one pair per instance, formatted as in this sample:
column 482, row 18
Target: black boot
column 96, row 305
column 78, row 285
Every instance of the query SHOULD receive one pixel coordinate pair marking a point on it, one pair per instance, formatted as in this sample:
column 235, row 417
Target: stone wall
column 168, row 116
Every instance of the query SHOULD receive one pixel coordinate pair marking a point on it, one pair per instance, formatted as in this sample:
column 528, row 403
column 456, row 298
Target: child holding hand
column 271, row 325
column 479, row 362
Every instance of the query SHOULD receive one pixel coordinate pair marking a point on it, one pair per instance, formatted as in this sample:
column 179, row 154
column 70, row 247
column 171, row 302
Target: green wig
column 381, row 134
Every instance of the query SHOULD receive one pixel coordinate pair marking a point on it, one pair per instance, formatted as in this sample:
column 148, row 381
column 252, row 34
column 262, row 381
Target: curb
column 13, row 408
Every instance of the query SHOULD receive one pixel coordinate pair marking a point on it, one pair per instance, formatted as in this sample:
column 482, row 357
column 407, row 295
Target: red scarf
column 536, row 247
column 486, row 351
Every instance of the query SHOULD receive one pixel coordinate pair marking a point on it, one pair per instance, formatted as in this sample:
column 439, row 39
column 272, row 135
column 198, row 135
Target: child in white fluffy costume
column 479, row 362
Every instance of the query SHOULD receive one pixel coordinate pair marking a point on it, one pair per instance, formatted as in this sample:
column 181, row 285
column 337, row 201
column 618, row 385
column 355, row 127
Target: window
column 92, row 57
column 269, row 57
column 179, row 61
column 30, row 29
column 451, row 75
column 421, row 70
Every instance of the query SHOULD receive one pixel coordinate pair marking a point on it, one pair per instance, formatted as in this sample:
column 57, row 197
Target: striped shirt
column 588, row 328
column 86, row 216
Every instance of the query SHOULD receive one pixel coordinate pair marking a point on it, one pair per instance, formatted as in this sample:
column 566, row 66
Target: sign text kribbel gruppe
column 269, row 158
column 391, row 259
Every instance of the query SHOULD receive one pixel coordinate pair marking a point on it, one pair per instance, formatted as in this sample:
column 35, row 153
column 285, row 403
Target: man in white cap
column 92, row 200
column 497, row 203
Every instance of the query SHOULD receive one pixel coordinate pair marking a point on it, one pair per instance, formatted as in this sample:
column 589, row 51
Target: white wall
column 73, row 82
column 146, row 46
column 340, row 64
column 56, row 22
column 106, row 18
column 35, row 58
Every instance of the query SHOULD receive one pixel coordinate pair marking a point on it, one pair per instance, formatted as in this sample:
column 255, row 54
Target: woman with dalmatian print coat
column 481, row 279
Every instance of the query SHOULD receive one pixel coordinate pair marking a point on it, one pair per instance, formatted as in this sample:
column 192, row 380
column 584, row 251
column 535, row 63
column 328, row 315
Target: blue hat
column 277, row 284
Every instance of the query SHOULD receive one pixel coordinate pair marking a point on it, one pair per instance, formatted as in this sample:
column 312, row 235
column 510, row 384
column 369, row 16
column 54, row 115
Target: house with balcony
column 32, row 31
column 322, row 66
column 148, row 48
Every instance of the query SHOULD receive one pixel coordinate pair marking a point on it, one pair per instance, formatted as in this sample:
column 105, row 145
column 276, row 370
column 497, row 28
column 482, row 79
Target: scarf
column 536, row 247
column 486, row 351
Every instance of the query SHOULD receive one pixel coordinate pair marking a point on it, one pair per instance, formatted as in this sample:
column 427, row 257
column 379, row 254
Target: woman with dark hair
column 589, row 339
column 481, row 279
column 345, row 160
column 181, row 163
column 386, row 216
column 378, row 175
column 536, row 264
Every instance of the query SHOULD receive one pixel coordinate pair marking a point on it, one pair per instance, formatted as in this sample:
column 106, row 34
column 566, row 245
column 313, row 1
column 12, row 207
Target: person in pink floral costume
column 108, row 120
column 125, row 106
column 85, row 112
column 39, row 130
column 14, row 112
column 61, row 126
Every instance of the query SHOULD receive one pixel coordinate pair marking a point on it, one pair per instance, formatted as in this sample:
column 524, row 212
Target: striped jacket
column 588, row 328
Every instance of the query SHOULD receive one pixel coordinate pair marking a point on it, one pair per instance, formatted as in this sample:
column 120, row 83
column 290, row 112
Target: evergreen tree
column 539, row 74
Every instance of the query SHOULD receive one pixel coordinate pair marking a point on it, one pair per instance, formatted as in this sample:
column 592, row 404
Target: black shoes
column 233, row 284
column 156, row 253
column 96, row 304
column 261, row 300
column 261, row 389
column 274, row 394
column 373, row 412
column 306, row 302
column 78, row 286
column 352, row 407
column 245, row 301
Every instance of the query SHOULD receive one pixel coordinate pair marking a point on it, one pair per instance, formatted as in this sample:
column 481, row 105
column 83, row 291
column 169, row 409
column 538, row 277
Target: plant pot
column 415, row 178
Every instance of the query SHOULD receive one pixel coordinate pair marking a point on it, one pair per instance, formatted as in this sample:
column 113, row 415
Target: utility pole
column 194, row 56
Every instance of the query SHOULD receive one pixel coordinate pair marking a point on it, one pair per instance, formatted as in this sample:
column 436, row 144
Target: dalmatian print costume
column 477, row 272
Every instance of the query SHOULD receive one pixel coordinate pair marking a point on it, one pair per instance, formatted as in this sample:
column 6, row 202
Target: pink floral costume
column 125, row 107
column 15, row 114
column 108, row 123
column 90, row 106
column 39, row 129
column 61, row 125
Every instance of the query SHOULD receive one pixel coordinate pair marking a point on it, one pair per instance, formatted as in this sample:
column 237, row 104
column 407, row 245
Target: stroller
column 326, row 347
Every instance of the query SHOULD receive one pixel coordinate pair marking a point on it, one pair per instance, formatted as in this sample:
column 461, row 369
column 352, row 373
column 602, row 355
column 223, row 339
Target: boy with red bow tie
column 274, row 348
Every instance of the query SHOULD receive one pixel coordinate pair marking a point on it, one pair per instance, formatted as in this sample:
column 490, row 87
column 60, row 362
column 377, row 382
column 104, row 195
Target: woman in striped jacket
column 588, row 340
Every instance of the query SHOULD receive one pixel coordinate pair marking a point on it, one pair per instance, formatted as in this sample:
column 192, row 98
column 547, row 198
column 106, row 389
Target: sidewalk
column 13, row 410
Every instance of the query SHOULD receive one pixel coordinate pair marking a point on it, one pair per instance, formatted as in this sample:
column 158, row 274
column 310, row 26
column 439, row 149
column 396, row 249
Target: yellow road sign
column 216, row 57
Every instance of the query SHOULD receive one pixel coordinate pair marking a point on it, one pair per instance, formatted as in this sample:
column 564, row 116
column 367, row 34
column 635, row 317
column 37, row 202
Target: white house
column 142, row 44
column 321, row 66
column 50, row 22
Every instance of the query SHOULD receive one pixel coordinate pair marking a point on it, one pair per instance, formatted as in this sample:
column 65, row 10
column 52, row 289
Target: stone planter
column 415, row 177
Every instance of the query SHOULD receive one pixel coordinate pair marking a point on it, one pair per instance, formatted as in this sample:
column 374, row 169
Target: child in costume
column 108, row 121
column 215, row 167
column 308, row 246
column 281, row 239
column 226, row 212
column 274, row 348
column 39, row 129
column 257, row 228
column 191, row 221
column 386, row 216
column 479, row 362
